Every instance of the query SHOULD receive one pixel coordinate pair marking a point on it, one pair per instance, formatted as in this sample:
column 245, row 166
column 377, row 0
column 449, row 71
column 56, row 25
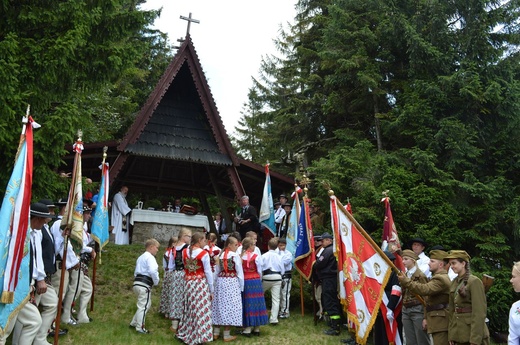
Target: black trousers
column 329, row 296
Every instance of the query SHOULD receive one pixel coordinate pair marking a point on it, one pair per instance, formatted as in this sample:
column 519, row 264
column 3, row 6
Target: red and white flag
column 363, row 271
column 390, row 238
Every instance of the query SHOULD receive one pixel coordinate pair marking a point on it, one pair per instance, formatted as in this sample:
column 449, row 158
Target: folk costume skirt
column 227, row 302
column 255, row 311
column 165, row 302
column 177, row 294
column 195, row 326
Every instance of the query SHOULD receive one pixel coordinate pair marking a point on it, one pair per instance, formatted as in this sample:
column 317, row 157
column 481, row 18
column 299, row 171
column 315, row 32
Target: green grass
column 115, row 304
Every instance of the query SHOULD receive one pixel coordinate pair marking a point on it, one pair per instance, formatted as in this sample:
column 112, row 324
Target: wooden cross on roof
column 190, row 20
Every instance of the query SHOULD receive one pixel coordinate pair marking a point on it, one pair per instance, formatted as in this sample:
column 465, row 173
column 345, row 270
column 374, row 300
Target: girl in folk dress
column 168, row 263
column 514, row 313
column 212, row 249
column 227, row 305
column 195, row 325
column 178, row 283
column 255, row 312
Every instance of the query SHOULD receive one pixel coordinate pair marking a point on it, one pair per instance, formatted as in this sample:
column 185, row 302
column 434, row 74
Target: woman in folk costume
column 227, row 304
column 255, row 311
column 195, row 326
column 168, row 264
column 178, row 283
column 467, row 307
column 212, row 249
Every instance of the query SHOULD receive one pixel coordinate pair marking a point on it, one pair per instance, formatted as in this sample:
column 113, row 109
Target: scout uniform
column 437, row 297
column 467, row 313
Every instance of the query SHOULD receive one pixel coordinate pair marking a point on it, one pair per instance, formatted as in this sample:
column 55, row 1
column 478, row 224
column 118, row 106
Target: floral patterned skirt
column 177, row 292
column 195, row 326
column 227, row 302
column 164, row 305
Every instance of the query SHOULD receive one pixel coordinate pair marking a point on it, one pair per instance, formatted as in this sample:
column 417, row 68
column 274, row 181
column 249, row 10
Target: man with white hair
column 248, row 219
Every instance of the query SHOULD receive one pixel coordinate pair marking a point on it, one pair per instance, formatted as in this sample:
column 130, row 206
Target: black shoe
column 348, row 341
column 60, row 333
column 256, row 333
column 246, row 334
column 331, row 331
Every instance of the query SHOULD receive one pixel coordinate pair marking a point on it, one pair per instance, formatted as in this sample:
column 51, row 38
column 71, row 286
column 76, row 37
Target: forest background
column 420, row 98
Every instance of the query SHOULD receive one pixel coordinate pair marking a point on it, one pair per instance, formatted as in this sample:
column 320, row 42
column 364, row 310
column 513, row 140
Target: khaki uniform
column 468, row 314
column 437, row 297
column 413, row 311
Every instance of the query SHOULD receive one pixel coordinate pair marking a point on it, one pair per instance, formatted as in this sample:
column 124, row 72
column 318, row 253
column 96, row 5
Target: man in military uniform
column 437, row 292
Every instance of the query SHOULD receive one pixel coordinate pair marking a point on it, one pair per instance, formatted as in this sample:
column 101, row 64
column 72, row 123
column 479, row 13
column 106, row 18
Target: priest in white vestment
column 120, row 217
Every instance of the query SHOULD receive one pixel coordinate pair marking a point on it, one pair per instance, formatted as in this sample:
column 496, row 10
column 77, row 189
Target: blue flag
column 266, row 216
column 304, row 257
column 292, row 230
column 14, row 230
column 100, row 220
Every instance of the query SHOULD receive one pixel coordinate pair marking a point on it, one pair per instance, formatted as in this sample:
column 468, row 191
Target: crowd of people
column 50, row 254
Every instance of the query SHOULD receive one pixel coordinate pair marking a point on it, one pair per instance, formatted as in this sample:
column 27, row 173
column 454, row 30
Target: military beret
column 458, row 254
column 410, row 253
column 438, row 254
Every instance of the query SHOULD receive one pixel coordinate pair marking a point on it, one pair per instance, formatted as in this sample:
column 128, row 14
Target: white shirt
column 71, row 260
column 272, row 261
column 38, row 273
column 238, row 267
column 287, row 259
column 207, row 266
column 279, row 214
column 423, row 265
column 514, row 324
column 147, row 265
column 86, row 240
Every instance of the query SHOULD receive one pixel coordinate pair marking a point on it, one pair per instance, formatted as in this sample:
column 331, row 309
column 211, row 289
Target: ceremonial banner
column 99, row 227
column 14, row 227
column 73, row 216
column 390, row 238
column 292, row 231
column 304, row 257
column 363, row 270
column 266, row 216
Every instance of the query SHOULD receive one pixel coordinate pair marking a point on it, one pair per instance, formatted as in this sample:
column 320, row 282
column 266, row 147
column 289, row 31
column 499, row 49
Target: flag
column 73, row 216
column 305, row 257
column 14, row 229
column 292, row 230
column 266, row 208
column 99, row 227
column 296, row 192
column 363, row 270
column 390, row 238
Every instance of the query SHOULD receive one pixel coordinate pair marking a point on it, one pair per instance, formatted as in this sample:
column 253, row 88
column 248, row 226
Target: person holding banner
column 327, row 268
column 437, row 291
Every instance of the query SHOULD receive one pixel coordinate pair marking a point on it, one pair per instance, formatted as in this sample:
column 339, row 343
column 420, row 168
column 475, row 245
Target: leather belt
column 436, row 307
column 411, row 303
column 287, row 275
column 462, row 310
column 141, row 278
column 268, row 272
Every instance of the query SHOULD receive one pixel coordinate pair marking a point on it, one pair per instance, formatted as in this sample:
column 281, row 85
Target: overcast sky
column 230, row 41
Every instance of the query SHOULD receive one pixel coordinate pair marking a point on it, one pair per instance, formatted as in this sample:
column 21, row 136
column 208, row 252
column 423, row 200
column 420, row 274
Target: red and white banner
column 362, row 271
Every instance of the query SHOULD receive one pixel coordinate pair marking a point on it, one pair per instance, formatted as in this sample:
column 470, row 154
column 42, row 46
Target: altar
column 162, row 225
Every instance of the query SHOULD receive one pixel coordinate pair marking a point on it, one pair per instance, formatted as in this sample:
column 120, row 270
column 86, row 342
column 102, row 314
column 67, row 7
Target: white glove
column 390, row 316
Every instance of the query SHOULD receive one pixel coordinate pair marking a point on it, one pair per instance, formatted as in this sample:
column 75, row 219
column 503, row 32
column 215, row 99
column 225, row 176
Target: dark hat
column 282, row 240
column 437, row 247
column 40, row 210
column 87, row 202
column 62, row 201
column 287, row 204
column 47, row 202
column 458, row 254
column 411, row 254
column 277, row 203
column 326, row 235
column 438, row 254
column 317, row 238
column 389, row 255
column 86, row 208
column 418, row 240
column 282, row 196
